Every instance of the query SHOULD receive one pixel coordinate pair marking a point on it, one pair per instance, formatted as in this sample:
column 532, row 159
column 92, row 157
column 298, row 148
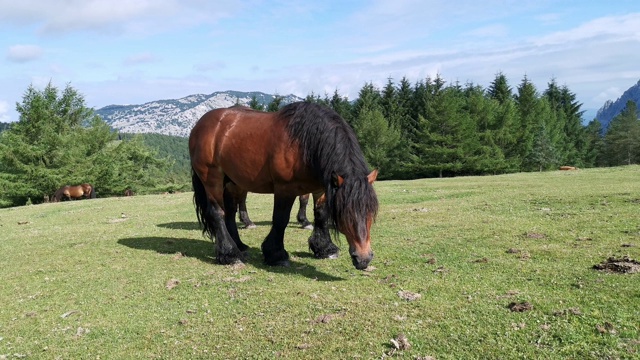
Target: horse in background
column 303, row 148
column 304, row 222
column 129, row 192
column 74, row 192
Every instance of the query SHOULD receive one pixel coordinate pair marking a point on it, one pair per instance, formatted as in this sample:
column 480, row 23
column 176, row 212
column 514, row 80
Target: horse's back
column 250, row 147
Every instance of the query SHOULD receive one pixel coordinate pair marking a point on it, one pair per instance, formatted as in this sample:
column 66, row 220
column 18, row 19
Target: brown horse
column 74, row 192
column 303, row 148
column 129, row 192
column 243, row 215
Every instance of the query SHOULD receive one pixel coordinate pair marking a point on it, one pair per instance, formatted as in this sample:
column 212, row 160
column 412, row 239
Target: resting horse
column 303, row 148
column 243, row 215
column 68, row 192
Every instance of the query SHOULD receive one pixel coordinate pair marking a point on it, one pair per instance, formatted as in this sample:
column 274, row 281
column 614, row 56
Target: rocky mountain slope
column 177, row 116
column 611, row 109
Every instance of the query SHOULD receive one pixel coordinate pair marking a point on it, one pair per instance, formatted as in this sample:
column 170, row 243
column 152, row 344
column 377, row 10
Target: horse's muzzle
column 361, row 262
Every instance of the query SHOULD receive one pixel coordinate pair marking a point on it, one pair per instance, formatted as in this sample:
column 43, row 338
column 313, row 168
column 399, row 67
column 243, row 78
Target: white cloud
column 117, row 16
column 615, row 28
column 24, row 53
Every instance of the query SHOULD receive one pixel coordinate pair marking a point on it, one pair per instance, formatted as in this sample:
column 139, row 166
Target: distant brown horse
column 74, row 192
column 303, row 148
column 129, row 192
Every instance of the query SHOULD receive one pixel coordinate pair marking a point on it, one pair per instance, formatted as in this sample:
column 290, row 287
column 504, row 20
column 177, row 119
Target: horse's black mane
column 330, row 148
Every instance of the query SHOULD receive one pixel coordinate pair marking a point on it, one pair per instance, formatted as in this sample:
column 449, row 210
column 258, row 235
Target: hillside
column 176, row 148
column 177, row 116
column 4, row 126
column 611, row 109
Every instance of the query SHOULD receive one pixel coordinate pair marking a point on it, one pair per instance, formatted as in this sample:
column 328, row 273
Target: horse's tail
column 203, row 205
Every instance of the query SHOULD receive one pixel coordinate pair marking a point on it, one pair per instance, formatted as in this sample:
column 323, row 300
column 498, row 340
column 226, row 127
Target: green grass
column 88, row 279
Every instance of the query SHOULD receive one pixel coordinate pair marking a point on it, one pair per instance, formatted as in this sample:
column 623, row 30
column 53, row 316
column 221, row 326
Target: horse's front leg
column 320, row 240
column 273, row 245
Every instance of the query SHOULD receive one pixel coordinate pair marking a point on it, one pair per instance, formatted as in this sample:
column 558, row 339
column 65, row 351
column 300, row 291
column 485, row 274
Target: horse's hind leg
column 302, row 213
column 243, row 214
column 273, row 246
column 210, row 215
column 320, row 241
column 231, row 196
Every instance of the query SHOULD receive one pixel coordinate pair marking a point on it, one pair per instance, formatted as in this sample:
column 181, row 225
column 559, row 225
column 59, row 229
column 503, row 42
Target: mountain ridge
column 177, row 116
column 611, row 109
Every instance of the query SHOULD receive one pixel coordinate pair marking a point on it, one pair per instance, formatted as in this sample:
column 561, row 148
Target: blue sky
column 131, row 52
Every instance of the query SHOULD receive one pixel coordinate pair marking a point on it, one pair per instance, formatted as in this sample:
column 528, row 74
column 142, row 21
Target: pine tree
column 342, row 106
column 576, row 138
column 275, row 104
column 555, row 123
column 378, row 139
column 623, row 137
column 528, row 116
column 446, row 133
column 594, row 148
column 255, row 105
column 500, row 89
column 486, row 156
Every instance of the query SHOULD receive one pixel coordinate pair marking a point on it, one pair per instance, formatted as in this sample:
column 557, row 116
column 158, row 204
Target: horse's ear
column 373, row 176
column 336, row 180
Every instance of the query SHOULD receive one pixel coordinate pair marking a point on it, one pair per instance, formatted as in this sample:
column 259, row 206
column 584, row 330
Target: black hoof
column 231, row 259
column 281, row 263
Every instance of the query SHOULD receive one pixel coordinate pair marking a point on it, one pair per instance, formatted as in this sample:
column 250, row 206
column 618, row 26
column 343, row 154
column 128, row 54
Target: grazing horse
column 68, row 192
column 243, row 215
column 303, row 148
column 128, row 192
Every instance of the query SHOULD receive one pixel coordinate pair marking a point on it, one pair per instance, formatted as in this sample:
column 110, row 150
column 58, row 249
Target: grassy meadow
column 133, row 278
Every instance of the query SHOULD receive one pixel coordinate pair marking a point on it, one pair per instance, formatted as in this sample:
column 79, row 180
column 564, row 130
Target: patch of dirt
column 401, row 342
column 605, row 328
column 482, row 261
column 569, row 311
column 327, row 318
column 513, row 251
column 536, row 236
column 520, row 307
column 624, row 265
column 172, row 283
column 408, row 295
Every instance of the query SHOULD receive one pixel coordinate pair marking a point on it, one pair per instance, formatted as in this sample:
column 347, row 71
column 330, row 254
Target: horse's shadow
column 204, row 251
column 188, row 225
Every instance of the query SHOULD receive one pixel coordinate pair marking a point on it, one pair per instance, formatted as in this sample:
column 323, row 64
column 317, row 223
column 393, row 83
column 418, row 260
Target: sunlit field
column 494, row 267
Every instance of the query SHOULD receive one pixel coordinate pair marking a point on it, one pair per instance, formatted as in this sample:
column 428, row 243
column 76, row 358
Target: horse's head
column 356, row 206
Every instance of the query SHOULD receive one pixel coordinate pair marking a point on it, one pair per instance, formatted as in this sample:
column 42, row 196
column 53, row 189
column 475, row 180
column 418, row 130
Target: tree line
column 406, row 130
column 433, row 129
